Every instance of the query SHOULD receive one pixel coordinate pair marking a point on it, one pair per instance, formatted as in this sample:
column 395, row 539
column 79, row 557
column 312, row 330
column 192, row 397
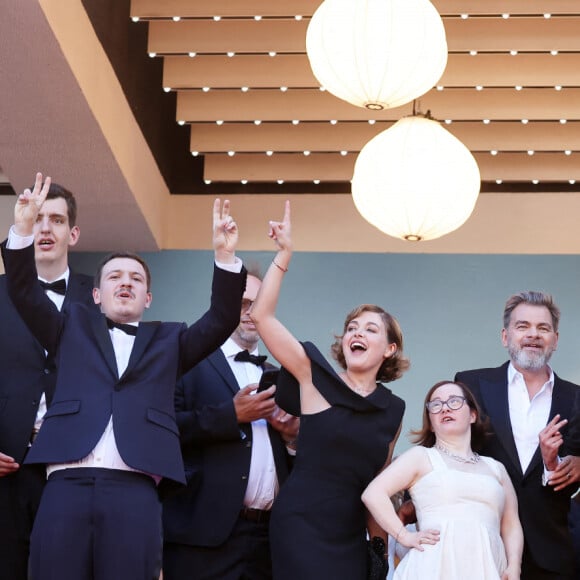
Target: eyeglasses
column 454, row 403
column 246, row 304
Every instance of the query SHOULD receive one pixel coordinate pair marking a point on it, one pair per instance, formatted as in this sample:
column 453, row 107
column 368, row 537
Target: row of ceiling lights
column 317, row 181
column 299, row 17
column 273, row 53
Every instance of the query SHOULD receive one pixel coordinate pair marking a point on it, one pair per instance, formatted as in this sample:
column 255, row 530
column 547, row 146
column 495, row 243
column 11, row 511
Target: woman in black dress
column 349, row 425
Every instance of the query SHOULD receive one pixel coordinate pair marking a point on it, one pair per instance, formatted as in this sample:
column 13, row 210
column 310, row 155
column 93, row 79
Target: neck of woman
column 361, row 383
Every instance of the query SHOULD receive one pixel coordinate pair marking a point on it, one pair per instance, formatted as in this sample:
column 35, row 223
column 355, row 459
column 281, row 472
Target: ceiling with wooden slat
column 147, row 109
column 510, row 92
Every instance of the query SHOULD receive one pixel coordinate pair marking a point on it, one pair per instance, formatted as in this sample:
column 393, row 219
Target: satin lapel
column 78, row 290
column 494, row 393
column 219, row 362
column 103, row 338
column 145, row 334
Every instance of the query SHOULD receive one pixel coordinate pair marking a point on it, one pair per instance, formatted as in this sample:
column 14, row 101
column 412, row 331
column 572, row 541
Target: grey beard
column 529, row 361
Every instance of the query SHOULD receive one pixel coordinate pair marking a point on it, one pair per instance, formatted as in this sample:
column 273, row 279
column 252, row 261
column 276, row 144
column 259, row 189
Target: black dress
column 318, row 525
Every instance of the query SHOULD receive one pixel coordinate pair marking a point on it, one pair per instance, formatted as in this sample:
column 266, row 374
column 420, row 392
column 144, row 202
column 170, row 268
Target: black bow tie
column 59, row 286
column 245, row 356
column 127, row 328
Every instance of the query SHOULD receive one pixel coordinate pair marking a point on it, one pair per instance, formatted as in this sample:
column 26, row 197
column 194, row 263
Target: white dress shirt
column 262, row 479
column 528, row 417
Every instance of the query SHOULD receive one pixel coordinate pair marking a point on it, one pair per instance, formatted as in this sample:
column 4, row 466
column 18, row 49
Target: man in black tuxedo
column 110, row 436
column 523, row 399
column 237, row 446
column 27, row 377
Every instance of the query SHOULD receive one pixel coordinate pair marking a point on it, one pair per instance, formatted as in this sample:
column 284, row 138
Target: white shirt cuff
column 236, row 267
column 18, row 242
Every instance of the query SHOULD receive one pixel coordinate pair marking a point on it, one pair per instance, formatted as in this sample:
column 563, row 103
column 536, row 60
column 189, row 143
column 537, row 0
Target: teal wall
column 449, row 306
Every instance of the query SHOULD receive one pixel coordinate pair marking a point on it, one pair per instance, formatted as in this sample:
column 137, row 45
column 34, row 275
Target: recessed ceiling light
column 192, row 54
column 535, row 181
column 279, row 181
column 195, row 153
column 243, row 181
column 257, row 122
column 135, row 19
column 524, row 121
column 486, row 121
column 207, row 181
column 167, row 89
column 181, row 122
column 219, row 122
column 295, row 122
column 499, row 181
column 567, row 152
column 231, row 153
column 531, row 152
column 269, row 153
column 176, row 18
column 493, row 152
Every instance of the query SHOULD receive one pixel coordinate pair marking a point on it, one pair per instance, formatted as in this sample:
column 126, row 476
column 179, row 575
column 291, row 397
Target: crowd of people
column 132, row 450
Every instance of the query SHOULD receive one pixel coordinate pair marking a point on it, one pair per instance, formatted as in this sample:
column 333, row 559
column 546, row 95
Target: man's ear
column 149, row 300
column 75, row 234
column 97, row 295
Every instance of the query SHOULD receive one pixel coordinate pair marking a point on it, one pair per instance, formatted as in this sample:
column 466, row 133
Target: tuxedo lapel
column 219, row 362
column 78, row 290
column 145, row 333
column 103, row 339
column 494, row 393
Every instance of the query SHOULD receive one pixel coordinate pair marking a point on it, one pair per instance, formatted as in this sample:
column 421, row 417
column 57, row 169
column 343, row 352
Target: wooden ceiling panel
column 352, row 136
column 512, row 76
column 508, row 166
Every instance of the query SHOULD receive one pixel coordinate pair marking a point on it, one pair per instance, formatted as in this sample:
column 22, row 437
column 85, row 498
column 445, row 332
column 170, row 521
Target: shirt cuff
column 548, row 474
column 18, row 242
column 236, row 267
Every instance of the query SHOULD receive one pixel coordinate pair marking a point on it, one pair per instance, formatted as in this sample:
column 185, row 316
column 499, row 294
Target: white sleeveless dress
column 466, row 508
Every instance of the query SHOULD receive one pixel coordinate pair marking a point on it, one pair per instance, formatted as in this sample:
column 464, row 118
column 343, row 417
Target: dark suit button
column 46, row 371
column 34, row 403
column 249, row 444
column 244, row 477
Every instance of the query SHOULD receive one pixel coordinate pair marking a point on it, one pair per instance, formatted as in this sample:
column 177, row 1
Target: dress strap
column 435, row 458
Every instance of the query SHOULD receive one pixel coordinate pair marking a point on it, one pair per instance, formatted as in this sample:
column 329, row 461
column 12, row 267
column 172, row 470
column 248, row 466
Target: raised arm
column 35, row 308
column 277, row 338
column 511, row 530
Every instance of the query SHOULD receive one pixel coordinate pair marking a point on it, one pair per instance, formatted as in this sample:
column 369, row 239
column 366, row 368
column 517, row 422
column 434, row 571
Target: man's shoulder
column 488, row 372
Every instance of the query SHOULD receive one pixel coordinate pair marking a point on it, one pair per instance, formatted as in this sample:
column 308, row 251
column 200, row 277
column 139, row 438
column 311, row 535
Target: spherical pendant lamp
column 415, row 181
column 377, row 54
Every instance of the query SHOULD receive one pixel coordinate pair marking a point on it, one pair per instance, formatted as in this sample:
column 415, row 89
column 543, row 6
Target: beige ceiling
column 531, row 186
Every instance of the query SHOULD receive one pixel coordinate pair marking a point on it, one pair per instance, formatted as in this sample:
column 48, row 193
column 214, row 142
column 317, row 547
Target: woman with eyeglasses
column 348, row 427
column 467, row 516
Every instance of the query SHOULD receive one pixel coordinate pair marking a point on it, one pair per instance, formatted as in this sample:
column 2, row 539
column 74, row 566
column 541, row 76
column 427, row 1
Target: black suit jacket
column 89, row 390
column 543, row 512
column 25, row 371
column 217, row 452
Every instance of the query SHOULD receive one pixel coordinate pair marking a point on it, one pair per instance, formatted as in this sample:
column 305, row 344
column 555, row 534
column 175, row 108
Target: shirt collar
column 514, row 374
column 64, row 276
column 231, row 349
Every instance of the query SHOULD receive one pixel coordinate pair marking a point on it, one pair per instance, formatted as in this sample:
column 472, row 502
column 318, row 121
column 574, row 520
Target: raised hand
column 550, row 440
column 28, row 206
column 281, row 232
column 225, row 232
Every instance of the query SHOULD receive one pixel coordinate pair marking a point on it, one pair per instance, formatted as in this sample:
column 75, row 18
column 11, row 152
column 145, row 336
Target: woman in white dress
column 467, row 515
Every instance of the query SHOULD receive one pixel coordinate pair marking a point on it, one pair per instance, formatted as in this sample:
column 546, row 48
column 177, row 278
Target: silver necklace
column 473, row 459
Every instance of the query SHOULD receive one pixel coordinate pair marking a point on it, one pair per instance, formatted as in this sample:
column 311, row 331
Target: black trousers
column 97, row 524
column 20, row 494
column 245, row 555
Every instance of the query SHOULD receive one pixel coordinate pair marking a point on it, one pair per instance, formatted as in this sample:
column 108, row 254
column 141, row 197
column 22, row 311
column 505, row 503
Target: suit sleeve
column 33, row 305
column 218, row 323
column 572, row 441
column 202, row 422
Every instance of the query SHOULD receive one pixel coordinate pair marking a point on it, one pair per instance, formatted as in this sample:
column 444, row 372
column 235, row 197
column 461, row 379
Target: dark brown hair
column 55, row 191
column 396, row 364
column 113, row 256
column 479, row 429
